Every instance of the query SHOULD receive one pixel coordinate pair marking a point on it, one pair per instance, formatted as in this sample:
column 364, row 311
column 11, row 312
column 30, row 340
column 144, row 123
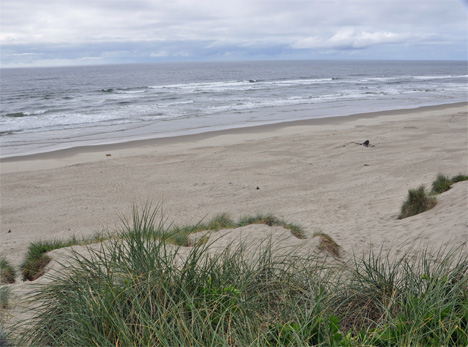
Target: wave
column 15, row 115
column 240, row 85
column 23, row 114
column 437, row 77
column 124, row 90
column 405, row 79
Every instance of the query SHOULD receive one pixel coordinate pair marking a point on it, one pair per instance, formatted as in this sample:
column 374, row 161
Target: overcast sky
column 80, row 32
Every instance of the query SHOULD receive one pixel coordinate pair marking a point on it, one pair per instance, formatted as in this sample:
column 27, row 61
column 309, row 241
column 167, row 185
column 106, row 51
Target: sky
column 89, row 32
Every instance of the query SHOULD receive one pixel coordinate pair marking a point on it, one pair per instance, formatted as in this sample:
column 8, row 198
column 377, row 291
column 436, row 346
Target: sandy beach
column 312, row 173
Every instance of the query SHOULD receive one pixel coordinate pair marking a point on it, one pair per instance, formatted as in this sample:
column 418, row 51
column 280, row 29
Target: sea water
column 45, row 109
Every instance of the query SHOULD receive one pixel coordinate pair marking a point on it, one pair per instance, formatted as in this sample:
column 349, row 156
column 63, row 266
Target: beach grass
column 36, row 258
column 418, row 201
column 5, row 293
column 328, row 244
column 441, row 184
column 444, row 182
column 7, row 272
column 139, row 290
column 459, row 178
column 179, row 235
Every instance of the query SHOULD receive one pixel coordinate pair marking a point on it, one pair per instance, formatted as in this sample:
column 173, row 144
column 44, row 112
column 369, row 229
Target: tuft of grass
column 327, row 244
column 271, row 220
column 411, row 300
column 444, row 182
column 4, row 298
column 220, row 221
column 7, row 272
column 441, row 184
column 142, row 291
column 5, row 294
column 36, row 258
column 459, row 178
column 418, row 201
column 180, row 235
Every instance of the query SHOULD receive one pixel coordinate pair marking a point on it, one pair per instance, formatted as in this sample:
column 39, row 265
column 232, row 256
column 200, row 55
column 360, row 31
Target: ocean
column 46, row 109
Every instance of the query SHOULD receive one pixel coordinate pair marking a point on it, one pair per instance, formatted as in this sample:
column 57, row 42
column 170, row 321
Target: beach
column 314, row 173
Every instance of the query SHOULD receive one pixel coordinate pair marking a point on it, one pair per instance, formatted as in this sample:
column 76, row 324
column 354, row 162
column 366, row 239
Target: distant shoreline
column 168, row 139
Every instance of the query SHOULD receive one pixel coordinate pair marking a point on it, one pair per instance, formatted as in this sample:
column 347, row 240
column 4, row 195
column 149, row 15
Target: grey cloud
column 136, row 30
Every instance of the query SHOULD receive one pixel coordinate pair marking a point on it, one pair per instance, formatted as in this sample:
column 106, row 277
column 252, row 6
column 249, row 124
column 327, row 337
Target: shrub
column 7, row 272
column 417, row 202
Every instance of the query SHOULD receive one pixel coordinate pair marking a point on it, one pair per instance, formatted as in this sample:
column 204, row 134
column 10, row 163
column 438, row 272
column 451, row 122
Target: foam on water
column 149, row 100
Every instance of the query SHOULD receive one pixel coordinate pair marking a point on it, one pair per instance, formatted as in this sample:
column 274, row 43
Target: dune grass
column 441, row 184
column 328, row 244
column 444, row 182
column 418, row 201
column 180, row 235
column 459, row 178
column 4, row 298
column 7, row 272
column 141, row 291
column 36, row 258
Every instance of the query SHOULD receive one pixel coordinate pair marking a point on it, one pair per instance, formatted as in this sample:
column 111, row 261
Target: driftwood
column 365, row 144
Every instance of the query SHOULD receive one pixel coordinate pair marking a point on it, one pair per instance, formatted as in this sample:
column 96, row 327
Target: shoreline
column 92, row 150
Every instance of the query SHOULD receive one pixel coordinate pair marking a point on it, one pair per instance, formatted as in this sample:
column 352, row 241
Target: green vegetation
column 418, row 201
column 36, row 258
column 271, row 220
column 7, row 271
column 459, row 178
column 140, row 291
column 328, row 244
column 441, row 184
column 5, row 294
column 180, row 235
column 444, row 183
column 4, row 298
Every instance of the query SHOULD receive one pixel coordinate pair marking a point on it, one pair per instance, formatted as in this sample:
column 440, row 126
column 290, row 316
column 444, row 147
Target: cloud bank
column 67, row 32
